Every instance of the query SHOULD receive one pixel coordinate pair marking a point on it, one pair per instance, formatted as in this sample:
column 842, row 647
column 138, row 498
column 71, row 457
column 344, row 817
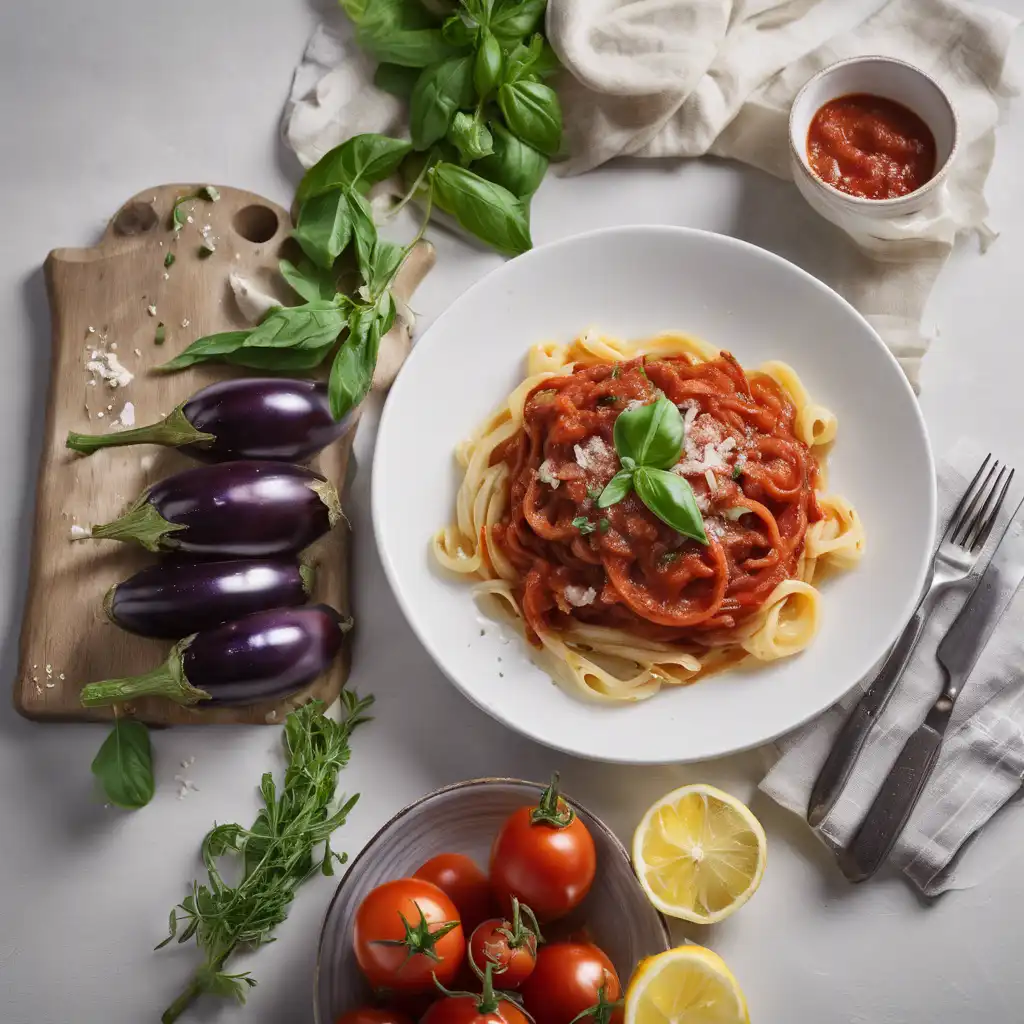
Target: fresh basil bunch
column 480, row 112
column 649, row 441
column 333, row 219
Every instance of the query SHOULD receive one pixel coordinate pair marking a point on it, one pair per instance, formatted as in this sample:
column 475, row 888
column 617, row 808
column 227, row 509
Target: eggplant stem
column 168, row 680
column 173, row 431
column 142, row 524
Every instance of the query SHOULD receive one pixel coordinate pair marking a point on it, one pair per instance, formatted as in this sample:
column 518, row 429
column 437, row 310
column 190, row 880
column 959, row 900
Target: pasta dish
column 651, row 513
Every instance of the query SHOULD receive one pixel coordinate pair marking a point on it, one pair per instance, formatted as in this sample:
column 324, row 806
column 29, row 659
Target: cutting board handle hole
column 256, row 223
column 135, row 218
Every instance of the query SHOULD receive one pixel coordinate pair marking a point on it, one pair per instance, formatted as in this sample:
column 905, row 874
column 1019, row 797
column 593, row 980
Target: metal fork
column 957, row 554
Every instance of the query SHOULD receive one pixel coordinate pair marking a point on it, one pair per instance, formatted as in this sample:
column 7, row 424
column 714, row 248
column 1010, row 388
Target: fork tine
column 955, row 516
column 959, row 530
column 984, row 526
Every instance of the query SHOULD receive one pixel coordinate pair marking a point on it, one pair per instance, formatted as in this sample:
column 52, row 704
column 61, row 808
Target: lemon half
column 688, row 985
column 699, row 854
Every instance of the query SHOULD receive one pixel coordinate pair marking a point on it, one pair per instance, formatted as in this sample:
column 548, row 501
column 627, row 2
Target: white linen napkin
column 657, row 78
column 981, row 763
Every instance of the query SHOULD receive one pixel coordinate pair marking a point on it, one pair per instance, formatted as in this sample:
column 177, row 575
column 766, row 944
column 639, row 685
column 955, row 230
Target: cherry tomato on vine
column 544, row 856
column 508, row 944
column 466, row 1008
column 570, row 979
column 462, row 881
column 406, row 933
column 367, row 1015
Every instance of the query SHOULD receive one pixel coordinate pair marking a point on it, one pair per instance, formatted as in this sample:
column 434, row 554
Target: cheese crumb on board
column 104, row 365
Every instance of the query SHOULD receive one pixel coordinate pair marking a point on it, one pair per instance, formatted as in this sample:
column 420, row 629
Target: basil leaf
column 364, row 231
column 511, row 20
column 213, row 346
column 409, row 48
column 616, row 489
column 283, row 360
column 352, row 372
column 439, row 92
column 513, row 164
column 671, row 499
column 537, row 60
column 358, row 163
column 584, row 525
column 457, row 31
column 324, row 227
column 651, row 435
column 124, row 765
column 470, row 137
column 395, row 79
column 532, row 112
column 483, row 208
column 311, row 282
column 387, row 258
column 310, row 326
column 487, row 65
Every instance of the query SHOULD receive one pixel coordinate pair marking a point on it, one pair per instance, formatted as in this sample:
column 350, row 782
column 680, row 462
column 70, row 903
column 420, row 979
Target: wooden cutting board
column 110, row 299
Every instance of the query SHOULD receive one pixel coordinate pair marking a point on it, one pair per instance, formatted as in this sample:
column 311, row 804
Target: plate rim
column 418, row 352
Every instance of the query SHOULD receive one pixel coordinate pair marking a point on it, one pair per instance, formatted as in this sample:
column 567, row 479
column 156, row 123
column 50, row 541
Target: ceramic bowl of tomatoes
column 506, row 895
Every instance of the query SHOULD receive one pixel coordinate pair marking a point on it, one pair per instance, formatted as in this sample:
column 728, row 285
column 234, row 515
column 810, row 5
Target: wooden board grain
column 101, row 299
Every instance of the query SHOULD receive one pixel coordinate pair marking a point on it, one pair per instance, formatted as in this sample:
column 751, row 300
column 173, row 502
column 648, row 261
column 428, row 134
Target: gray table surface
column 99, row 100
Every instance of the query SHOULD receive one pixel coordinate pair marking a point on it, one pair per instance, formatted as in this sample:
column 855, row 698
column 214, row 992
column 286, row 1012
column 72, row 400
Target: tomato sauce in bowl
column 870, row 147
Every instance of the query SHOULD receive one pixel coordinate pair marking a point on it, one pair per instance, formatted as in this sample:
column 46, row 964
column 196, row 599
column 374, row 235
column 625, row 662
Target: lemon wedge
column 699, row 854
column 688, row 985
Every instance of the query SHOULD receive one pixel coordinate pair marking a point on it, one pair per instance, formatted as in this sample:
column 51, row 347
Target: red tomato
column 509, row 945
column 486, row 1008
column 464, row 884
column 545, row 857
column 568, row 980
column 405, row 933
column 366, row 1015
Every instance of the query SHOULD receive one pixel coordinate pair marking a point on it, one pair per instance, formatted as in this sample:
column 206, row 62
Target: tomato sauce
column 870, row 147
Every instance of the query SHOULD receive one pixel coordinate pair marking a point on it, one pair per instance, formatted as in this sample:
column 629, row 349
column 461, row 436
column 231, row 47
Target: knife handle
column 888, row 815
column 835, row 772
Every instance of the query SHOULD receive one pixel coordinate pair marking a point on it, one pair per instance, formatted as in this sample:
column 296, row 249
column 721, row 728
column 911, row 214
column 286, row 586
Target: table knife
column 957, row 654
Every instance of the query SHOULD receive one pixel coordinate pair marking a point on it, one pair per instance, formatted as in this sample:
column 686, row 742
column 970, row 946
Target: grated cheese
column 580, row 597
column 596, row 456
column 105, row 366
column 545, row 476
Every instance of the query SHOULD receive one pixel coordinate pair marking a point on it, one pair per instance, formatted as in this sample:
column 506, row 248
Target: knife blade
column 957, row 653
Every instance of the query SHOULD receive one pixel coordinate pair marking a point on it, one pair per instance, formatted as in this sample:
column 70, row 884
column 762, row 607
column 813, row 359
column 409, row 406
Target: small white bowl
column 891, row 79
column 465, row 818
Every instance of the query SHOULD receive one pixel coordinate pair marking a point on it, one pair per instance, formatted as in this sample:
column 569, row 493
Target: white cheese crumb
column 61, row 676
column 99, row 415
column 137, row 352
column 151, row 310
column 127, row 417
column 147, row 462
column 49, row 670
column 92, row 330
column 580, row 597
column 709, row 475
column 595, row 455
column 185, row 322
column 545, row 476
column 167, row 276
column 107, row 367
column 80, row 532
column 190, row 219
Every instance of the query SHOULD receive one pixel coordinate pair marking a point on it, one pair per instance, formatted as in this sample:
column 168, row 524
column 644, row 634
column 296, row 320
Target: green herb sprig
column 649, row 441
column 287, row 844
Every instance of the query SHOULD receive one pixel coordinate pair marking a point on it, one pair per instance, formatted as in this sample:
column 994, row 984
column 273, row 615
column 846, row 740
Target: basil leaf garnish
column 484, row 209
column 513, row 164
column 616, row 489
column 512, row 19
column 358, row 163
column 324, row 227
column 440, row 91
column 671, row 499
column 124, row 765
column 533, row 113
column 652, row 435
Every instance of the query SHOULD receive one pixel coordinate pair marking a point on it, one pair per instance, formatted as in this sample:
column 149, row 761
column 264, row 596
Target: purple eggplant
column 174, row 599
column 235, row 510
column 265, row 656
column 247, row 418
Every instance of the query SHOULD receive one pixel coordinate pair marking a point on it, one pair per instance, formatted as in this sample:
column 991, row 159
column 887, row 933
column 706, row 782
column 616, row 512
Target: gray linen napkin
column 981, row 763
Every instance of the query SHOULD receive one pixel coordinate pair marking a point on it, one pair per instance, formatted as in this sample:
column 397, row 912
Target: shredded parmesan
column 545, row 476
column 709, row 475
column 596, row 456
column 580, row 597
column 105, row 366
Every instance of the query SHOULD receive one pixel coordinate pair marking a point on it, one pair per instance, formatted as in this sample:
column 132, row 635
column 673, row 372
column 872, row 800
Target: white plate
column 632, row 283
